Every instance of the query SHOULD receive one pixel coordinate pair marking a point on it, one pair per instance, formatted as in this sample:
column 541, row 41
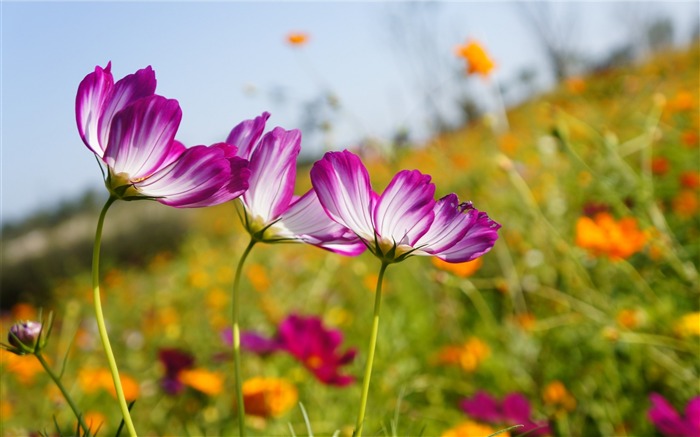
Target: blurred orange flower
column 686, row 203
column 556, row 394
column 297, row 38
column 468, row 356
column 94, row 420
column 660, row 165
column 205, row 381
column 25, row 367
column 92, row 380
column 602, row 235
column 462, row 270
column 690, row 138
column 683, row 101
column 690, row 179
column 472, row 429
column 478, row 61
column 629, row 318
column 23, row 311
column 258, row 277
column 268, row 397
column 576, row 85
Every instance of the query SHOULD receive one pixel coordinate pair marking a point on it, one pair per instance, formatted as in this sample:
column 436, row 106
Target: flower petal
column 246, row 134
column 481, row 235
column 202, row 176
column 93, row 92
column 305, row 220
column 126, row 91
column 404, row 211
column 449, row 226
column 141, row 137
column 273, row 173
column 342, row 184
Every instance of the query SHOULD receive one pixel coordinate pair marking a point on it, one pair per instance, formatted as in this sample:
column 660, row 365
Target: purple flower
column 667, row 420
column 174, row 361
column 132, row 130
column 24, row 335
column 513, row 410
column 307, row 340
column 271, row 211
column 405, row 220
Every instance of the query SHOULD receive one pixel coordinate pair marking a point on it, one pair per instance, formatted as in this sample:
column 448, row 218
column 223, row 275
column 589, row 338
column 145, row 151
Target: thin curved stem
column 370, row 354
column 102, row 328
column 66, row 396
column 237, row 337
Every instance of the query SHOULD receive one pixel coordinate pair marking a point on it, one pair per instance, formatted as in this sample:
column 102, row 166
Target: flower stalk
column 101, row 326
column 235, row 312
column 370, row 352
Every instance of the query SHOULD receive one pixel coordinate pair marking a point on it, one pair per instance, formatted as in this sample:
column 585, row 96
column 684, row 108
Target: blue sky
column 225, row 62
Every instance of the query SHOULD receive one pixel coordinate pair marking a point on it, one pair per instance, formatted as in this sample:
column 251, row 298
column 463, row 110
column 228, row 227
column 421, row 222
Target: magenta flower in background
column 307, row 340
column 271, row 211
column 405, row 220
column 667, row 420
column 132, row 130
column 513, row 410
column 174, row 361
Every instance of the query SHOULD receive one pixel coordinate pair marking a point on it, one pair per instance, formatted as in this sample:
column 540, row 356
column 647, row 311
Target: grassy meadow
column 588, row 303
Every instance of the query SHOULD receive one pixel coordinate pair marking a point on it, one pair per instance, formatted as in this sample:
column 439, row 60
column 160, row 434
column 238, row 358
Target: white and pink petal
column 246, row 134
column 480, row 237
column 141, row 137
column 93, row 92
column 342, row 184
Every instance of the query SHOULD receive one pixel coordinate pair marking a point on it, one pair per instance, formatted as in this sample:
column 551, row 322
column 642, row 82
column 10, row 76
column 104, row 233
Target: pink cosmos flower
column 271, row 211
column 405, row 220
column 667, row 420
column 513, row 410
column 307, row 340
column 132, row 130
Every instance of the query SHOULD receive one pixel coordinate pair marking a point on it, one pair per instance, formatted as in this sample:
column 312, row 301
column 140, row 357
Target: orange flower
column 686, row 203
column 660, row 165
column 468, row 356
column 258, row 277
column 478, row 60
column 576, row 85
column 690, row 138
column 210, row 383
column 690, row 179
column 683, row 101
column 24, row 367
column 556, row 394
column 94, row 420
column 602, row 235
column 268, row 397
column 462, row 270
column 472, row 429
column 297, row 38
column 92, row 380
column 629, row 318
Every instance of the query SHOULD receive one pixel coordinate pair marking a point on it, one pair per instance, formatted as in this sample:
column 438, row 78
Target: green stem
column 101, row 320
column 237, row 338
column 370, row 354
column 67, row 397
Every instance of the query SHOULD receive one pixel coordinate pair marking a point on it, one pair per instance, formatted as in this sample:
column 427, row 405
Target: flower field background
column 587, row 306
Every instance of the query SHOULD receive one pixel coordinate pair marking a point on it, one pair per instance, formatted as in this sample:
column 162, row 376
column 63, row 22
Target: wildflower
column 24, row 368
column 576, row 85
column 174, row 361
column 132, row 130
column 513, row 410
column 690, row 138
column 311, row 343
column 271, row 211
column 478, row 61
column 405, row 220
column 690, row 179
column 556, row 394
column 688, row 325
column 205, row 381
column 468, row 356
column 472, row 429
column 25, row 335
column 93, row 380
column 686, row 203
column 602, row 235
column 297, row 38
column 683, row 101
column 667, row 420
column 463, row 270
column 629, row 318
column 268, row 397
column 660, row 165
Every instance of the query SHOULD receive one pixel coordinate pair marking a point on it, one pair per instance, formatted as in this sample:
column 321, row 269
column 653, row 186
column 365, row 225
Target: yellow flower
column 628, row 318
column 688, row 325
column 463, row 270
column 477, row 59
column 556, row 394
column 297, row 38
column 468, row 356
column 602, row 235
column 472, row 429
column 268, row 397
column 205, row 381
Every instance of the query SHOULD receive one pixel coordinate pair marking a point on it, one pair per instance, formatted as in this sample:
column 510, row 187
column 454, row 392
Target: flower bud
column 24, row 335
